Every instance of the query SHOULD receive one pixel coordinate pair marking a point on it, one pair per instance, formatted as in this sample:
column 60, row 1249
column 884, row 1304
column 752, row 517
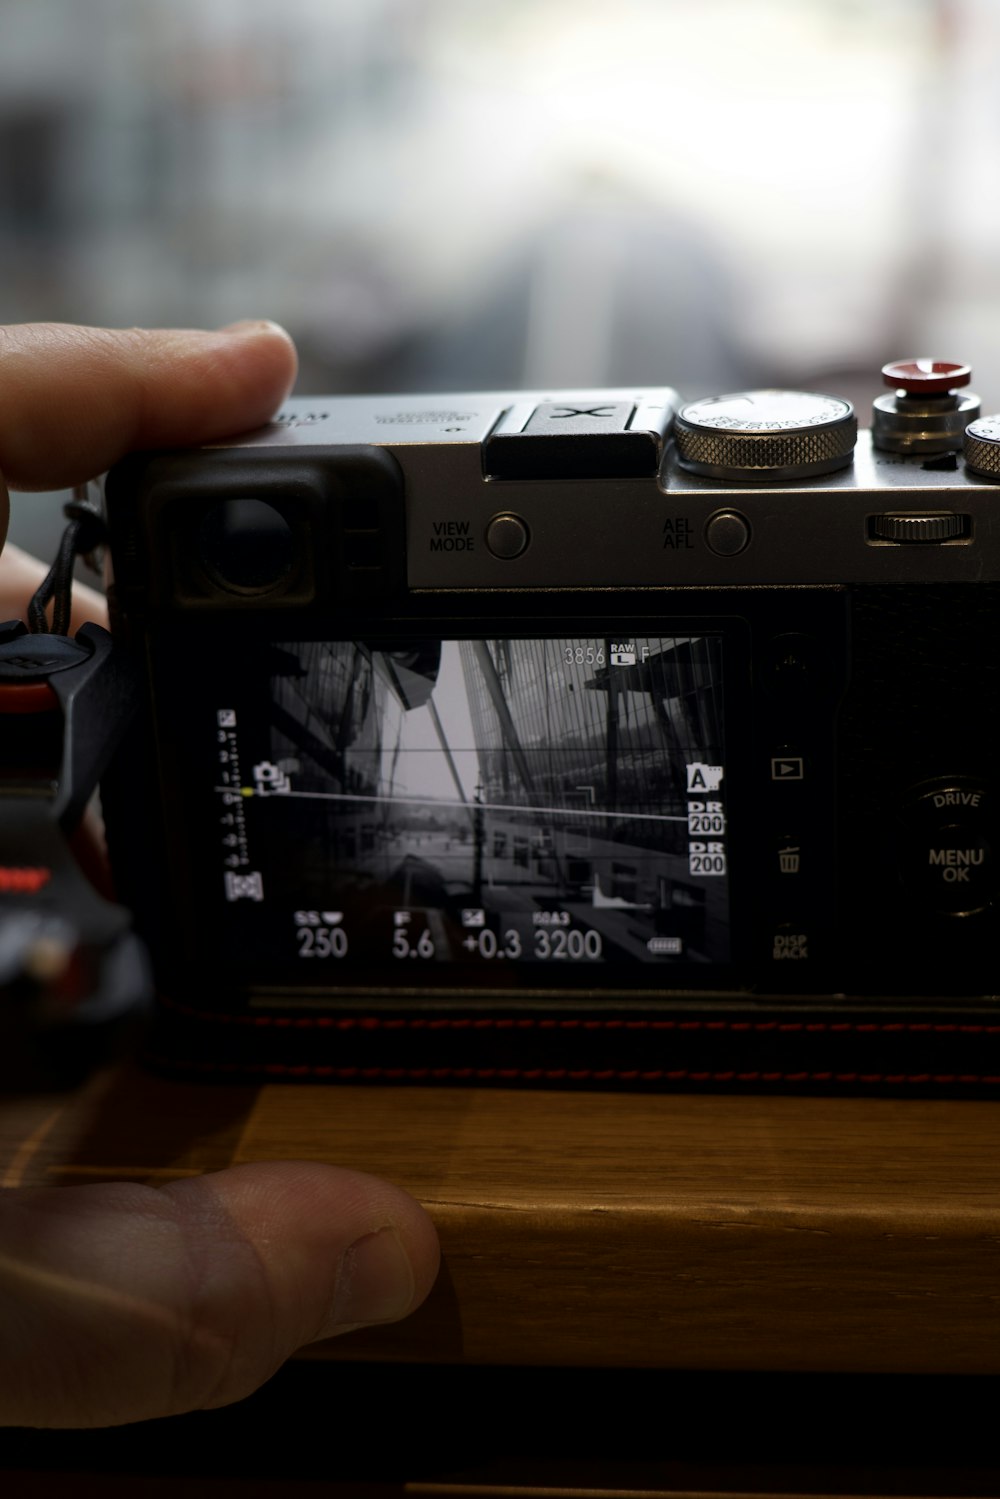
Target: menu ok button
column 946, row 849
column 958, row 873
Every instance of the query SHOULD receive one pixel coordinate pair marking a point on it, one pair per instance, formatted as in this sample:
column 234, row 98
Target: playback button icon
column 788, row 767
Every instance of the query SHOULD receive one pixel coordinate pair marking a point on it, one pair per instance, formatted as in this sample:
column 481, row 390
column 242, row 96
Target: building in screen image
column 508, row 778
column 584, row 777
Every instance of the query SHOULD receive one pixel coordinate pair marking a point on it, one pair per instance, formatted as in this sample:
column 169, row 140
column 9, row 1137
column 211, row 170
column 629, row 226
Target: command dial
column 766, row 435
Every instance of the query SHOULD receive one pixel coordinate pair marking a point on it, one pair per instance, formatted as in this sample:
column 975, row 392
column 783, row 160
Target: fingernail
column 374, row 1284
column 253, row 325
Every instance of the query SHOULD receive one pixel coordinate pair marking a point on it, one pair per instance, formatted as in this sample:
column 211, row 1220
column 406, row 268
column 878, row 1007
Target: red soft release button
column 27, row 697
column 928, row 377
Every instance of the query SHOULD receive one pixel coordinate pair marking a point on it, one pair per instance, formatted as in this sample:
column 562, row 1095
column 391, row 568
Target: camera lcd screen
column 488, row 804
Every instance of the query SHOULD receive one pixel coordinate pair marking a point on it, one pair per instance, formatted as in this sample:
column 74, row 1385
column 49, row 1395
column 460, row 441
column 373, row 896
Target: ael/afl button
column 727, row 533
column 947, row 857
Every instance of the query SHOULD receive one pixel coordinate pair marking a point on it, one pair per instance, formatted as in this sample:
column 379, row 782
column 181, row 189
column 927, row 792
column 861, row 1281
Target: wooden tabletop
column 611, row 1230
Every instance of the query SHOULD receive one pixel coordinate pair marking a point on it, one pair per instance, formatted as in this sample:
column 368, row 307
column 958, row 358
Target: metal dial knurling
column 982, row 446
column 743, row 434
column 917, row 528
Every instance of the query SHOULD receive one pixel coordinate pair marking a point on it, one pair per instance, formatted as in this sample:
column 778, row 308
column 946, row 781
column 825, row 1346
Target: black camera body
column 566, row 737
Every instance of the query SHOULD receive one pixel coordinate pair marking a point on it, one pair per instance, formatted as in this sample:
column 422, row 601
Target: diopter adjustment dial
column 766, row 435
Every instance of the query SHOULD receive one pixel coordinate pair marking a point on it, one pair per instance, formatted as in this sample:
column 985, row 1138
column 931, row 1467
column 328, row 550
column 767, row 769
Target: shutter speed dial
column 766, row 435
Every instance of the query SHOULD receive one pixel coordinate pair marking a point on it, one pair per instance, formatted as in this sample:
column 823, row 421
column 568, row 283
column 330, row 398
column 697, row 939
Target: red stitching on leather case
column 559, row 1074
column 421, row 1022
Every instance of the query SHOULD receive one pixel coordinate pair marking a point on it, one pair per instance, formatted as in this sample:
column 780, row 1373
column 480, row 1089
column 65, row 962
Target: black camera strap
column 70, row 965
column 84, row 534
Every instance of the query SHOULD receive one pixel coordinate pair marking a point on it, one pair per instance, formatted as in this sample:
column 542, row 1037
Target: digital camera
column 570, row 735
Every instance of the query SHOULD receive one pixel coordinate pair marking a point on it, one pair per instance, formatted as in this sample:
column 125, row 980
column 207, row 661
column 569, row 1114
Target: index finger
column 73, row 400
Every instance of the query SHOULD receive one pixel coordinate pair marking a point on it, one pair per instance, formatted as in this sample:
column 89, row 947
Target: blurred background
column 447, row 195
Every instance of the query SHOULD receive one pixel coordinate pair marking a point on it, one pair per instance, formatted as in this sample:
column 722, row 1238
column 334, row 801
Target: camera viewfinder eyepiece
column 245, row 545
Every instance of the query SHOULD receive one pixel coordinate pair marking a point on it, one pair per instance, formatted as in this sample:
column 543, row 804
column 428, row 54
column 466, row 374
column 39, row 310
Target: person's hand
column 119, row 1303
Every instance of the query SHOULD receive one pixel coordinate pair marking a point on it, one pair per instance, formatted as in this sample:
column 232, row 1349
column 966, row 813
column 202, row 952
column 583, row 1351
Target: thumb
column 121, row 1303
